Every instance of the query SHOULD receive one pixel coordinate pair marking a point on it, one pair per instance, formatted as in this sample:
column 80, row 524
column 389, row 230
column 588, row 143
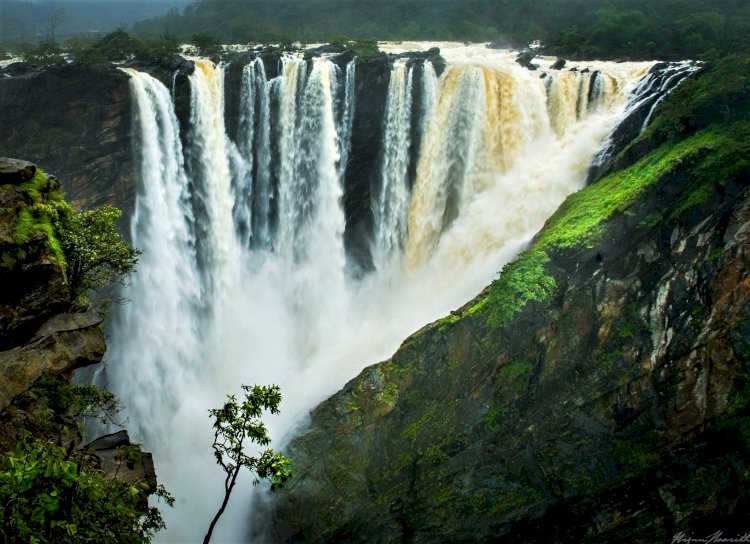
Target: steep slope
column 596, row 391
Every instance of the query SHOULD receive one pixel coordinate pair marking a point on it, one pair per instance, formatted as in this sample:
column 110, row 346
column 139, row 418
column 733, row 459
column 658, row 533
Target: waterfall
column 253, row 192
column 158, row 338
column 392, row 202
column 243, row 273
column 347, row 118
column 213, row 190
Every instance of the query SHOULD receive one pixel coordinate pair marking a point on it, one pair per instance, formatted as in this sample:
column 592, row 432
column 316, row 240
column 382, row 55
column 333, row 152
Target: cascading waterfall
column 311, row 216
column 212, row 179
column 161, row 226
column 391, row 206
column 243, row 276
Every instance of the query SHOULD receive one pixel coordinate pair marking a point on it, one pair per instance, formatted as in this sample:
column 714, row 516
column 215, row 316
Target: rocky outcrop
column 120, row 460
column 66, row 342
column 661, row 80
column 43, row 333
column 597, row 391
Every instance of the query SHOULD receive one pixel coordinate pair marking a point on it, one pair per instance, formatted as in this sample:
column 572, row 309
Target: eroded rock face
column 76, row 121
column 64, row 343
column 613, row 413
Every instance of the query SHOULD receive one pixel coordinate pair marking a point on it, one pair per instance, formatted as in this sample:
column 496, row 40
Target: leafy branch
column 236, row 426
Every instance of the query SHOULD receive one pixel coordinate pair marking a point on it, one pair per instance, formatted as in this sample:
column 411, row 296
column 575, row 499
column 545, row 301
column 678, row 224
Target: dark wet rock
column 15, row 171
column 662, row 79
column 559, row 64
column 121, row 460
column 525, row 59
column 64, row 343
column 76, row 121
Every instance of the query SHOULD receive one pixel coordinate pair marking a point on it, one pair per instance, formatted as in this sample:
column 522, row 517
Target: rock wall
column 75, row 121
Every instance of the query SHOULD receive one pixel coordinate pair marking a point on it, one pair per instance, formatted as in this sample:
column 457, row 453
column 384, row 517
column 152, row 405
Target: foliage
column 522, row 281
column 95, row 252
column 578, row 221
column 64, row 402
column 86, row 243
column 119, row 46
column 206, row 43
column 52, row 494
column 364, row 49
column 236, row 426
column 584, row 28
column 47, row 53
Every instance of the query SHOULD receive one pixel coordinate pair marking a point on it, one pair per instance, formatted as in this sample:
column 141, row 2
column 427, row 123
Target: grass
column 579, row 221
column 521, row 281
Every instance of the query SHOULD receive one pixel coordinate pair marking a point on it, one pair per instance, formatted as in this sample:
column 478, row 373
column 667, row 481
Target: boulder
column 524, row 58
column 121, row 460
column 64, row 343
column 15, row 171
column 559, row 64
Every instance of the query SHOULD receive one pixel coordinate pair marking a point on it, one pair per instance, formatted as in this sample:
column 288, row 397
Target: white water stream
column 243, row 276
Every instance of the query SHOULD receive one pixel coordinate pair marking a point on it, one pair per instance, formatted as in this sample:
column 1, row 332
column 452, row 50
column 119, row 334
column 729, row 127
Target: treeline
column 574, row 28
column 113, row 47
column 55, row 20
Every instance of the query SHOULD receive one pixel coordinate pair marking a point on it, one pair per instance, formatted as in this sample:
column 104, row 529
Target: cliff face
column 76, row 121
column 597, row 391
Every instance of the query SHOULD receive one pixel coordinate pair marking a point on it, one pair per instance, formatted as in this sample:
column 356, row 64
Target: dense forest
column 58, row 21
column 576, row 28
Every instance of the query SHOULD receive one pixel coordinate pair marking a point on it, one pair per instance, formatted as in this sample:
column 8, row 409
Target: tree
column 206, row 43
column 47, row 53
column 95, row 253
column 238, row 425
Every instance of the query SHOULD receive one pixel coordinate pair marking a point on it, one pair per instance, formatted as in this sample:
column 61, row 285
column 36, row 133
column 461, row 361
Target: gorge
column 301, row 215
column 244, row 276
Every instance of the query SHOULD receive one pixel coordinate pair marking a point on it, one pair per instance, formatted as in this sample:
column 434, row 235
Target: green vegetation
column 37, row 221
column 86, row 243
column 51, row 490
column 119, row 46
column 579, row 221
column 51, row 493
column 520, row 282
column 582, row 28
column 236, row 426
column 206, row 43
column 46, row 53
column 95, row 252
column 57, row 404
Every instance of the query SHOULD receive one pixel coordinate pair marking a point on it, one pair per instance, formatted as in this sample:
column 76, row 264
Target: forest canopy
column 576, row 28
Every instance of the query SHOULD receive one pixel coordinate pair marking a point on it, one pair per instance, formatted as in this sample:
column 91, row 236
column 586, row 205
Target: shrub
column 95, row 253
column 54, row 494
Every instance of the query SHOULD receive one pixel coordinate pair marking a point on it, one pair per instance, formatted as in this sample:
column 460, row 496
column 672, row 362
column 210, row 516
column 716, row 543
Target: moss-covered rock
column 33, row 285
